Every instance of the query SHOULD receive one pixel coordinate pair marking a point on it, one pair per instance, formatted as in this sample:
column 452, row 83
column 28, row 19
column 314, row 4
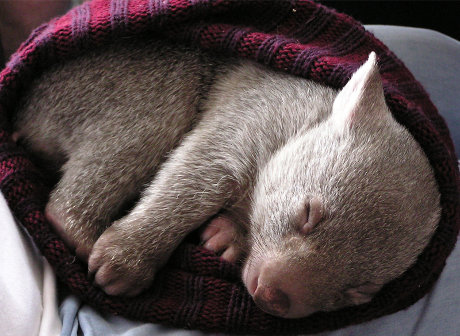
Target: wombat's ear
column 361, row 101
column 363, row 293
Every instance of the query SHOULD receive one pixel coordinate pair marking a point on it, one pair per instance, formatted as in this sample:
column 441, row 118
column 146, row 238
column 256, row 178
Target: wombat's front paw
column 119, row 268
column 220, row 236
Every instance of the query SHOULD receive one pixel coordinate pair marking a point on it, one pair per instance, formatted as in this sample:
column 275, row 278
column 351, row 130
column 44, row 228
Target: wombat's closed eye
column 311, row 215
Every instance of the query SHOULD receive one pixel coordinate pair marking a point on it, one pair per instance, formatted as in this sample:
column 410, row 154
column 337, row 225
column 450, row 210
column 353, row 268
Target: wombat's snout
column 277, row 287
column 262, row 284
column 272, row 300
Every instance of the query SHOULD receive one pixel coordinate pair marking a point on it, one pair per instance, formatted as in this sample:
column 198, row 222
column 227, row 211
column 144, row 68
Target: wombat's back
column 129, row 89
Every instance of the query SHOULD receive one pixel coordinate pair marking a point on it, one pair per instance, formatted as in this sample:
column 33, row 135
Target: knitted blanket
column 197, row 289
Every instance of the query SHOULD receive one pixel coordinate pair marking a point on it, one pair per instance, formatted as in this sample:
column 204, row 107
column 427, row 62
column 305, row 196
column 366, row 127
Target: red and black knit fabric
column 197, row 289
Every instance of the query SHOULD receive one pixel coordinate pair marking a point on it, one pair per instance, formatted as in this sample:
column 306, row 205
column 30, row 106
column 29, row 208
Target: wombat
column 321, row 193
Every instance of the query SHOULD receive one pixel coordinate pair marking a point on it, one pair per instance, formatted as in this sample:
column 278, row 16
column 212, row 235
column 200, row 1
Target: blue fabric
column 79, row 319
column 436, row 314
column 68, row 311
column 434, row 59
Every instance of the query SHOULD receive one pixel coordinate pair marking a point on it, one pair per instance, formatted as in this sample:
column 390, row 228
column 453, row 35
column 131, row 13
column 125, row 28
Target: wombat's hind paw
column 81, row 244
column 219, row 236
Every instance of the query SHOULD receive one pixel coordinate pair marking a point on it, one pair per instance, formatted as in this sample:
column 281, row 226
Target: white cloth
column 28, row 304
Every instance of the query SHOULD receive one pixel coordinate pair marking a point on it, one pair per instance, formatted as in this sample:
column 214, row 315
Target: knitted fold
column 196, row 289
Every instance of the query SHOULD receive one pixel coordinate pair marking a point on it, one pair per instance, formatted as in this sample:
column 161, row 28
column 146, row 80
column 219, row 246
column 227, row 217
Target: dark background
column 443, row 16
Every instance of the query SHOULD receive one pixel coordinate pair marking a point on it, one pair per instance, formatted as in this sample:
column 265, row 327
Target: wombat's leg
column 192, row 186
column 220, row 235
column 95, row 185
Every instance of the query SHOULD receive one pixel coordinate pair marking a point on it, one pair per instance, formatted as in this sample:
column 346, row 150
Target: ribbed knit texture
column 196, row 289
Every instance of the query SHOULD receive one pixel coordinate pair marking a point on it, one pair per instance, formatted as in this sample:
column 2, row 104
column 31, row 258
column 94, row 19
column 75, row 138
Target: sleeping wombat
column 325, row 195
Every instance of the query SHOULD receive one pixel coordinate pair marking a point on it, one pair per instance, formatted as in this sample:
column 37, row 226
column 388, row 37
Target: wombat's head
column 341, row 209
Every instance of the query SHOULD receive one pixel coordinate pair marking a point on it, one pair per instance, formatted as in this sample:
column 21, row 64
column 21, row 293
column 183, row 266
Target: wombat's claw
column 113, row 271
column 115, row 283
column 219, row 237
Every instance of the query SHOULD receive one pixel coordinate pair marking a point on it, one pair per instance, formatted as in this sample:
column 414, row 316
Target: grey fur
column 199, row 136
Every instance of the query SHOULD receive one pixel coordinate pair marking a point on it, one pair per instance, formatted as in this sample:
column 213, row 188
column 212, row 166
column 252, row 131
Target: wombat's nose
column 272, row 300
